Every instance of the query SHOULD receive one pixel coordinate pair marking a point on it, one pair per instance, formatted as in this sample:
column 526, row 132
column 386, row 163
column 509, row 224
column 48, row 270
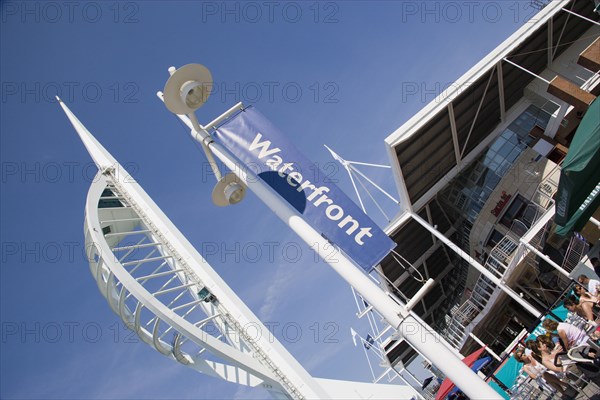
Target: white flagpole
column 423, row 338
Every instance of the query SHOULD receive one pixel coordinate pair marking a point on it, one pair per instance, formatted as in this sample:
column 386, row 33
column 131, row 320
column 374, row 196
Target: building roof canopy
column 440, row 137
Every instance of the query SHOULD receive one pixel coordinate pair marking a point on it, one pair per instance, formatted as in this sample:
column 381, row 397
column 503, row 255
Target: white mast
column 161, row 287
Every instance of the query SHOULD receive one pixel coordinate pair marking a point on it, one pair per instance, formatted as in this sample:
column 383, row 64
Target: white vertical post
column 424, row 339
column 555, row 121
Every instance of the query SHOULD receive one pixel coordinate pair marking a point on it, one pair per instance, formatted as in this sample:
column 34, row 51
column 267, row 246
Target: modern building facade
column 477, row 171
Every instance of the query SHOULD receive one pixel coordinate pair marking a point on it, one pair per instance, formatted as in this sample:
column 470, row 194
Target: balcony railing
column 503, row 259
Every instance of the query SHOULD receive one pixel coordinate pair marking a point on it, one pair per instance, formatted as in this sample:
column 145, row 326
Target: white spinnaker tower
column 169, row 295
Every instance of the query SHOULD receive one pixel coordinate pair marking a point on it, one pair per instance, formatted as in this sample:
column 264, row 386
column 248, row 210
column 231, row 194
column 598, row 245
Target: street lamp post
column 182, row 96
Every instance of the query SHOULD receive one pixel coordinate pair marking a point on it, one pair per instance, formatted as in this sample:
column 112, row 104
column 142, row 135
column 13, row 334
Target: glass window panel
column 494, row 166
column 514, row 154
column 497, row 144
column 504, row 167
column 488, row 159
column 506, row 149
column 492, row 180
column 513, row 137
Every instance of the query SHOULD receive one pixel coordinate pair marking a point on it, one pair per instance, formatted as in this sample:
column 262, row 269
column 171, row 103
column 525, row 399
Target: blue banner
column 272, row 157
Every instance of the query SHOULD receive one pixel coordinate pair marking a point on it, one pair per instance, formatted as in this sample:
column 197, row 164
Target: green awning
column 579, row 186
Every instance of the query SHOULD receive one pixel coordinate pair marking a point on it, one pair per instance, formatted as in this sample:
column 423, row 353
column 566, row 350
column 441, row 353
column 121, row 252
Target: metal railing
column 484, row 292
column 577, row 248
column 504, row 258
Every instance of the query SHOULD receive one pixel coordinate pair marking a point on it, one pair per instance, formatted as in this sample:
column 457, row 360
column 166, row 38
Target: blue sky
column 345, row 74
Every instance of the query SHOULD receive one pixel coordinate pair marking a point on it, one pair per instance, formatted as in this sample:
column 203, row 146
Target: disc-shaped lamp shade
column 229, row 190
column 187, row 89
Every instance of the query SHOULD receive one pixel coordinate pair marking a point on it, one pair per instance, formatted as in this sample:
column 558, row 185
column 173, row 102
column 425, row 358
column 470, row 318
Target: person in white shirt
column 592, row 284
column 570, row 335
column 534, row 368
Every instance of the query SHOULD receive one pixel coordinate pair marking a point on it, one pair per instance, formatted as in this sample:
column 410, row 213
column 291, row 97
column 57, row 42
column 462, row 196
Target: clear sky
column 341, row 73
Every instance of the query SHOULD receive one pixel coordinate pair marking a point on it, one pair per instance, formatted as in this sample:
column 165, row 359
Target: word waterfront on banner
column 255, row 141
column 294, row 178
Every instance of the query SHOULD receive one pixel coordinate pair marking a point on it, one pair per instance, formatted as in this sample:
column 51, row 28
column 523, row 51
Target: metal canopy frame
column 459, row 121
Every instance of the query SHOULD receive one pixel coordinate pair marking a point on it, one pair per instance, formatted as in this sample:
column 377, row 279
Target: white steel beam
column 549, row 52
column 528, row 71
column 501, row 100
column 487, row 86
column 405, row 202
column 455, row 143
column 474, row 263
column 582, row 17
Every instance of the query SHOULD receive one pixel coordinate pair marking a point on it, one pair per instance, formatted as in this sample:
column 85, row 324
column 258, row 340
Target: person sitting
column 534, row 368
column 584, row 295
column 582, row 291
column 548, row 350
column 592, row 285
column 582, row 307
column 569, row 335
column 531, row 348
